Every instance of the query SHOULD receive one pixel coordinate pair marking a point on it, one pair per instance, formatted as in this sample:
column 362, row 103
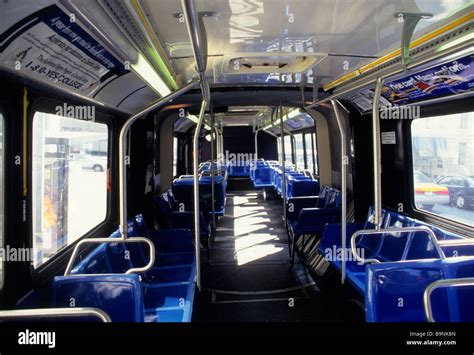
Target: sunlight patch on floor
column 252, row 240
column 256, row 252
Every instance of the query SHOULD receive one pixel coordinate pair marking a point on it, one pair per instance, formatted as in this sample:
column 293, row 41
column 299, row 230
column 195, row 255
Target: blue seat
column 394, row 287
column 312, row 220
column 303, row 187
column 395, row 291
column 183, row 192
column 120, row 296
column 261, row 176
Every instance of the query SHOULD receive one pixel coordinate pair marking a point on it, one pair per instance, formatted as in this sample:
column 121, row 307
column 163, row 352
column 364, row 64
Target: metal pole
column 197, row 230
column 256, row 144
column 212, row 172
column 313, row 149
column 283, row 175
column 461, row 282
column 295, row 155
column 344, row 158
column 218, row 149
column 377, row 157
column 56, row 312
column 123, row 158
column 198, row 45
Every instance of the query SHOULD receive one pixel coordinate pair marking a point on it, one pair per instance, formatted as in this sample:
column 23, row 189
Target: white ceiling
column 349, row 31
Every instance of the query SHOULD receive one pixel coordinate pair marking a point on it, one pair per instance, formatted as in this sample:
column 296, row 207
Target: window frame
column 3, row 181
column 175, row 159
column 301, row 135
column 311, row 151
column 43, row 104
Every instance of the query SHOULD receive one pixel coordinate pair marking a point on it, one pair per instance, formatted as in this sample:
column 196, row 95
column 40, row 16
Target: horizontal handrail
column 468, row 281
column 455, row 242
column 56, row 312
column 392, row 230
column 110, row 241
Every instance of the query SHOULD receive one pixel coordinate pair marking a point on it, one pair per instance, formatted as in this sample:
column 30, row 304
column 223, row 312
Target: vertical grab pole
column 218, row 149
column 283, row 176
column 377, row 154
column 344, row 162
column 221, row 139
column 212, row 172
column 197, row 227
column 199, row 46
column 293, row 146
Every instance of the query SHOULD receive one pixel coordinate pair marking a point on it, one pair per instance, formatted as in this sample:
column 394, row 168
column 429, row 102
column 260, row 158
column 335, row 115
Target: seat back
column 333, row 199
column 323, row 192
column 305, row 188
column 395, row 243
column 394, row 291
column 120, row 296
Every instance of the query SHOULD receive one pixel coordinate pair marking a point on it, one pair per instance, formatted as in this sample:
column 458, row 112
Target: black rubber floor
column 250, row 277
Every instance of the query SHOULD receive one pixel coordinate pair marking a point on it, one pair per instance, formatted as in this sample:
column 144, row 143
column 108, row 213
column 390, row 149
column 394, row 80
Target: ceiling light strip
column 164, row 64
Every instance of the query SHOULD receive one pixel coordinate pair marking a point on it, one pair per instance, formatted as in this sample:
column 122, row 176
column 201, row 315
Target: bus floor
column 249, row 277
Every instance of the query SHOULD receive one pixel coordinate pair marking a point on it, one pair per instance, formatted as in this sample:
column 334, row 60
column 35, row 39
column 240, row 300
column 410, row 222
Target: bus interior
column 166, row 161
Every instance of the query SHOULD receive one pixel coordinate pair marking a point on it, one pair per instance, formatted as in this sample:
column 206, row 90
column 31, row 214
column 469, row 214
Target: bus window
column 299, row 150
column 175, row 156
column 288, row 155
column 1, row 200
column 70, row 160
column 443, row 166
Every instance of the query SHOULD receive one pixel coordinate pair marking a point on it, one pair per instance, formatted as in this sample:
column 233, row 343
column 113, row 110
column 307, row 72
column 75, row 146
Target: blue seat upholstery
column 261, row 175
column 167, row 288
column 306, row 187
column 295, row 204
column 183, row 192
column 313, row 220
column 395, row 291
column 120, row 296
column 409, row 262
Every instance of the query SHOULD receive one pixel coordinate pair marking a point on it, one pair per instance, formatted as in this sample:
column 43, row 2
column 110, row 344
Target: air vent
column 270, row 63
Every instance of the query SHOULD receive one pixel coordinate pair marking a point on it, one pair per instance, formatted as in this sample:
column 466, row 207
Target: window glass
column 288, row 156
column 70, row 161
column 443, row 166
column 299, row 150
column 175, row 156
column 309, row 152
column 2, row 199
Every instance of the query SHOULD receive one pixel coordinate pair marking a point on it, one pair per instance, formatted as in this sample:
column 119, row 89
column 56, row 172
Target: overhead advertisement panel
column 51, row 47
column 451, row 78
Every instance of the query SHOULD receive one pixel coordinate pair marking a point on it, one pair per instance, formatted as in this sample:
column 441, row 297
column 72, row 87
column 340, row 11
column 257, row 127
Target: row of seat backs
column 171, row 216
column 98, row 280
column 183, row 194
column 392, row 246
column 302, row 187
column 409, row 263
column 120, row 257
column 396, row 246
column 312, row 220
column 328, row 198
